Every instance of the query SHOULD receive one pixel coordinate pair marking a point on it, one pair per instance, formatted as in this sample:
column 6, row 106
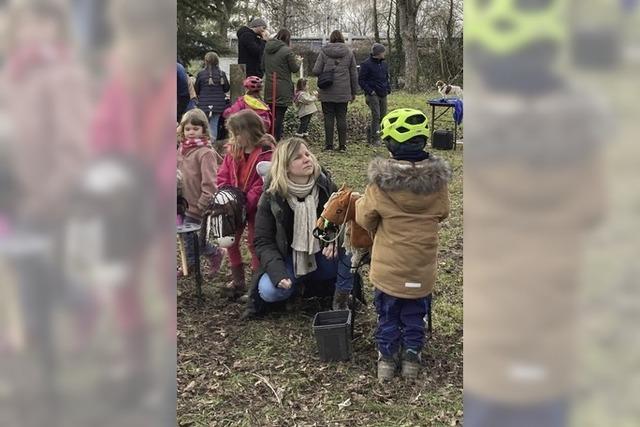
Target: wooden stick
column 183, row 256
column 268, row 384
column 274, row 82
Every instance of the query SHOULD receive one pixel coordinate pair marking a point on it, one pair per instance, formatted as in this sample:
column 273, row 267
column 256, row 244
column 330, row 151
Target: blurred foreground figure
column 134, row 127
column 84, row 274
column 532, row 191
column 44, row 98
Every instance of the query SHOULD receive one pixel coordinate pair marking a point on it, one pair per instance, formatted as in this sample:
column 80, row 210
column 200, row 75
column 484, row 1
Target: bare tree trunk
column 442, row 77
column 376, row 33
column 223, row 23
column 399, row 58
column 407, row 11
column 394, row 75
column 284, row 15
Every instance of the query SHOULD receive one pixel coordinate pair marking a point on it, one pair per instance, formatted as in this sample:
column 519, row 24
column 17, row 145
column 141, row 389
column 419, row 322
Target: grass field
column 267, row 372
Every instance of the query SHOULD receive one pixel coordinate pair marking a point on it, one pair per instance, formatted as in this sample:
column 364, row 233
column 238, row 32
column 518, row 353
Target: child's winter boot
column 215, row 261
column 237, row 286
column 410, row 364
column 387, row 367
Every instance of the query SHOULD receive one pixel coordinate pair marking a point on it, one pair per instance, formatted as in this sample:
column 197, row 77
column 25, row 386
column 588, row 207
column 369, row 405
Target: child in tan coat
column 406, row 199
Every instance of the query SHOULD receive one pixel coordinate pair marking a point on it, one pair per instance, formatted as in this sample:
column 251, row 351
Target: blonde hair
column 282, row 158
column 195, row 117
column 246, row 129
column 211, row 61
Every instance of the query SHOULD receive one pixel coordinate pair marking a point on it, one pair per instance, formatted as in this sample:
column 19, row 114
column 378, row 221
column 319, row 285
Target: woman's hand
column 330, row 251
column 353, row 98
column 285, row 284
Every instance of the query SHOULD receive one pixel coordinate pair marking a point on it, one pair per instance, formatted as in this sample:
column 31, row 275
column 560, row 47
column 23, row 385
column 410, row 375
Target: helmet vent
column 415, row 120
column 534, row 6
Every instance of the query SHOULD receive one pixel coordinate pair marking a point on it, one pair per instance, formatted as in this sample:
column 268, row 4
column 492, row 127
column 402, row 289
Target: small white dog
column 448, row 91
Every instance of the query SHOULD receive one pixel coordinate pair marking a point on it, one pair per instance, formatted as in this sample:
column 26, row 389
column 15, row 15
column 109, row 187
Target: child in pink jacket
column 249, row 145
column 251, row 101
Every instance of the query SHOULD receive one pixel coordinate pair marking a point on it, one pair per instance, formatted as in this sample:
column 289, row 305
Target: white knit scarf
column 304, row 245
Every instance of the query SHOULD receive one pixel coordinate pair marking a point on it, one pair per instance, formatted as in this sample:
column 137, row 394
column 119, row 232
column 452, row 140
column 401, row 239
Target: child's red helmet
column 252, row 83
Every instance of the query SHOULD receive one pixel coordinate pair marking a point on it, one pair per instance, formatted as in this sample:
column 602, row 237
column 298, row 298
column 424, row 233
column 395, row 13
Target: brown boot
column 237, row 286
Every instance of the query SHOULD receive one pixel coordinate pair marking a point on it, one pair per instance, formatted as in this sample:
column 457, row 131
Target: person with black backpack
column 211, row 87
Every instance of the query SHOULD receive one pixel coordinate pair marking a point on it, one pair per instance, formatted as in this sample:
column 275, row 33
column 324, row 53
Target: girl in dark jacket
column 296, row 191
column 211, row 87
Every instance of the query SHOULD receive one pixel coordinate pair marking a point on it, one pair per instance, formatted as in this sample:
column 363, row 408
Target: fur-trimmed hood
column 403, row 205
column 425, row 177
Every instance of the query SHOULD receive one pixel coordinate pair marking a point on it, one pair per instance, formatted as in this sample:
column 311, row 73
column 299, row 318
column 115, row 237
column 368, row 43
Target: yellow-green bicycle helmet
column 403, row 124
column 507, row 26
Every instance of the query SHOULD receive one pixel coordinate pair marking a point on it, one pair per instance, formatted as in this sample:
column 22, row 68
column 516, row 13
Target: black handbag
column 325, row 79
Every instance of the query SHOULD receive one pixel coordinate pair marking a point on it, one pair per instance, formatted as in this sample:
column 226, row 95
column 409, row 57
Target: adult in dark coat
column 296, row 191
column 182, row 91
column 211, row 87
column 374, row 81
column 251, row 42
column 280, row 59
column 337, row 56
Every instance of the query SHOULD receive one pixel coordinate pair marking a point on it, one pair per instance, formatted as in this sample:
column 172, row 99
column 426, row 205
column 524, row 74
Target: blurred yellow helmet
column 506, row 26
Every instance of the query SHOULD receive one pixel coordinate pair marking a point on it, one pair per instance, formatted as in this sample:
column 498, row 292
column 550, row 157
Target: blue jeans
column 400, row 321
column 480, row 412
column 338, row 268
column 213, row 125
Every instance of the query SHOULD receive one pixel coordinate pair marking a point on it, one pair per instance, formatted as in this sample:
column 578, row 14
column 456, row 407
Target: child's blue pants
column 400, row 323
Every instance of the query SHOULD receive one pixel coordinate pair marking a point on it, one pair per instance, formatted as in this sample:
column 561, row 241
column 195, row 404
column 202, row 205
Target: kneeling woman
column 296, row 191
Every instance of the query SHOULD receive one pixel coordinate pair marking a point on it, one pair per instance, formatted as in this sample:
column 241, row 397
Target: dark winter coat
column 403, row 206
column 338, row 57
column 183, row 83
column 374, row 77
column 250, row 51
column 274, row 228
column 279, row 59
column 212, row 94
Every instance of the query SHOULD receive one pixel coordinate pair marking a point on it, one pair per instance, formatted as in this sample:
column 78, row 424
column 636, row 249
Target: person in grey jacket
column 337, row 56
column 279, row 59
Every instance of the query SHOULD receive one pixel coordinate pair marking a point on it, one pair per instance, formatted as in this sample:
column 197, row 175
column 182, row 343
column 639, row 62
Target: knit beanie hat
column 258, row 22
column 377, row 49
